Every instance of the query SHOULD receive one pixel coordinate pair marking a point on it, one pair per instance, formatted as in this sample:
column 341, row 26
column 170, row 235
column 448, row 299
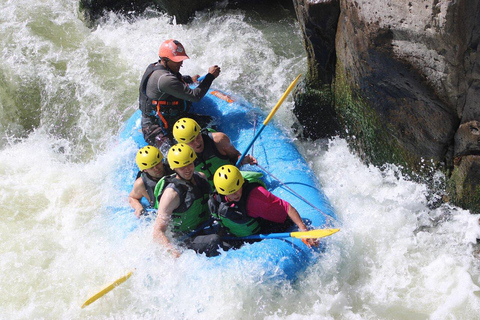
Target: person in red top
column 263, row 204
column 245, row 207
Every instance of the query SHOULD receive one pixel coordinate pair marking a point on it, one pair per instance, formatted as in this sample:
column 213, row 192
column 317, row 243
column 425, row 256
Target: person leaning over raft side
column 165, row 94
column 183, row 202
column 213, row 149
column 245, row 207
column 150, row 162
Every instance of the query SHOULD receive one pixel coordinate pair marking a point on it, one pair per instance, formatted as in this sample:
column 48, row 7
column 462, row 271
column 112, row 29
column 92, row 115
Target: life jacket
column 167, row 109
column 210, row 159
column 193, row 209
column 149, row 183
column 233, row 215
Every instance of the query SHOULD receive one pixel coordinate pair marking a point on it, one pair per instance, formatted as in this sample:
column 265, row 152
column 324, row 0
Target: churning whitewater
column 66, row 91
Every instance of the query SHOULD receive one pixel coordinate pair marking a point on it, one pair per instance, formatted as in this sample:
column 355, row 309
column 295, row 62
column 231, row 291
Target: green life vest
column 193, row 209
column 209, row 160
column 233, row 215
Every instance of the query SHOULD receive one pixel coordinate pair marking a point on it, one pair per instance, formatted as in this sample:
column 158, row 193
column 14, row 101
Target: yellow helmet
column 148, row 157
column 180, row 155
column 185, row 130
column 228, row 179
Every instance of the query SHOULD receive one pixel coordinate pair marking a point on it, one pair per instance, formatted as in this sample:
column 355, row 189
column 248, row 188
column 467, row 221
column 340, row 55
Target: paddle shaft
column 249, row 146
column 311, row 234
column 261, row 236
column 267, row 120
column 107, row 289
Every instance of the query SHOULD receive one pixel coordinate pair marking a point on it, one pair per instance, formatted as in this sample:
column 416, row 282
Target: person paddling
column 244, row 207
column 165, row 94
column 182, row 202
column 213, row 149
column 150, row 162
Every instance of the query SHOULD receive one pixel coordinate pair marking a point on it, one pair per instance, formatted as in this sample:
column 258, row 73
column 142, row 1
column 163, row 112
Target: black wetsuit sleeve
column 207, row 81
column 171, row 85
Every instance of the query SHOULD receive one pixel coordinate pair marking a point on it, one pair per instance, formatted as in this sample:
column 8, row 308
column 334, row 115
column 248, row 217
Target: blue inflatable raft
column 287, row 175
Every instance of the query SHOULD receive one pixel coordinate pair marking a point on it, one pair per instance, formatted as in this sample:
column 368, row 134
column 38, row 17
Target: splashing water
column 65, row 92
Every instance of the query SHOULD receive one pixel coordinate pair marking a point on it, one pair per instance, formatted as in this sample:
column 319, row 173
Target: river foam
column 65, row 93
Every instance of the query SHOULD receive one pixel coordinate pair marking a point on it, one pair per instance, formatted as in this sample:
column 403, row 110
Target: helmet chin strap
column 166, row 64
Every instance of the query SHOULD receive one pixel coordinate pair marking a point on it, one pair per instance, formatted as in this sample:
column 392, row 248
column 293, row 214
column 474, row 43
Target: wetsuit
column 257, row 211
column 191, row 217
column 210, row 159
column 150, row 182
column 165, row 97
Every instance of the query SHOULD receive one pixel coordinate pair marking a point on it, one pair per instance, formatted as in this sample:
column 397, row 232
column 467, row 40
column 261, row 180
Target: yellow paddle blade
column 107, row 289
column 311, row 234
column 284, row 96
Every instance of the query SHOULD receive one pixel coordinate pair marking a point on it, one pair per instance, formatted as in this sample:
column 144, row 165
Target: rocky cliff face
column 314, row 98
column 406, row 84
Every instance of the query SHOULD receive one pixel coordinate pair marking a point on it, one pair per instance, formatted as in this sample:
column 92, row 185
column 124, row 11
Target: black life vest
column 210, row 159
column 166, row 109
column 149, row 183
column 193, row 209
column 233, row 215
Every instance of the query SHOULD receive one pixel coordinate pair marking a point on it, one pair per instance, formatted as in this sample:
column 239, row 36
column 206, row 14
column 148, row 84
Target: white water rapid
column 65, row 91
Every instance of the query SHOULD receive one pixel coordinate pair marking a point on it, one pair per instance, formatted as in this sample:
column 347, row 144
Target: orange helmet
column 173, row 50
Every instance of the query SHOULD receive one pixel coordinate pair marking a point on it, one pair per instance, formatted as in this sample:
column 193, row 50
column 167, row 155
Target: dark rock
column 465, row 183
column 471, row 111
column 182, row 10
column 407, row 74
column 467, row 139
column 318, row 22
column 315, row 111
column 314, row 101
column 94, row 9
column 386, row 101
column 406, row 77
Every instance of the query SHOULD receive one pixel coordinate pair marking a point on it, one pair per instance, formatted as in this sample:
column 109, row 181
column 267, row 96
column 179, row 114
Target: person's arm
column 168, row 202
column 214, row 70
column 137, row 193
column 295, row 217
column 264, row 204
column 201, row 174
column 226, row 148
column 170, row 84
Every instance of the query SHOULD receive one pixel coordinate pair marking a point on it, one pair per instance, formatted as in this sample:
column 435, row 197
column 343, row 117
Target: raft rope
column 254, row 129
column 327, row 217
column 330, row 220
